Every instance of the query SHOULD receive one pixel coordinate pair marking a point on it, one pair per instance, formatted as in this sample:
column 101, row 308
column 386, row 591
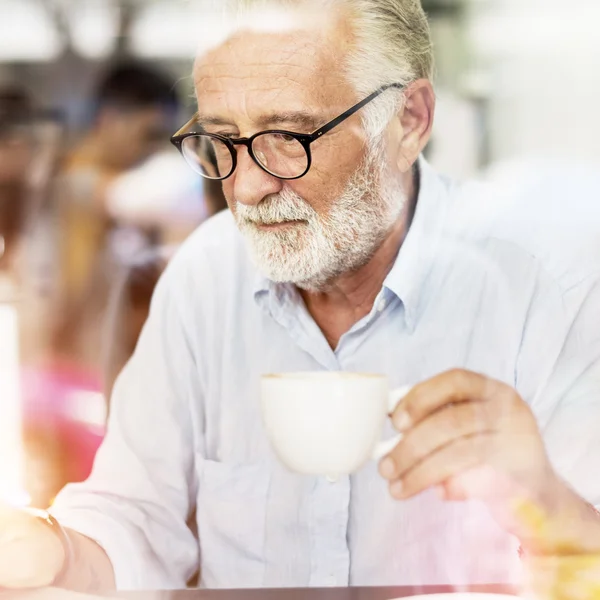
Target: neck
column 351, row 296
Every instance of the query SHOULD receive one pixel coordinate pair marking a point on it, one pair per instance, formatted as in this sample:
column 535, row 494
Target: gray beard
column 313, row 254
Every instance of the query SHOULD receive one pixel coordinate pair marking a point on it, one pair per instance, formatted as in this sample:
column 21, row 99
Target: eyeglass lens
column 281, row 155
column 208, row 156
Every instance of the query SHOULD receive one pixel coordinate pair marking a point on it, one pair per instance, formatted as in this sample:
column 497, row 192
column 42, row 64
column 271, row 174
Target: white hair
column 391, row 44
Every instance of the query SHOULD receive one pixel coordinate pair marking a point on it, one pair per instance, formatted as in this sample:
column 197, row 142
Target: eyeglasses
column 283, row 154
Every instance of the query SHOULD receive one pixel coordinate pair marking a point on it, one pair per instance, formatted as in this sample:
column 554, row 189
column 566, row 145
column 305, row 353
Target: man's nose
column 251, row 183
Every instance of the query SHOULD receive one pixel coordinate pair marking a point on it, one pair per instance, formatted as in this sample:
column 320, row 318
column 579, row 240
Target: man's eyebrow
column 203, row 121
column 306, row 120
column 303, row 119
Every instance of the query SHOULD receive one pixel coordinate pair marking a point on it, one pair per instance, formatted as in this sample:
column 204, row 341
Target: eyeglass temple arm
column 329, row 126
column 186, row 126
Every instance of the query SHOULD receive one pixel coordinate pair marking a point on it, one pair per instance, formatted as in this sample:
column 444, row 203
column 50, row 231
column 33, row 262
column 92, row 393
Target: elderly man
column 343, row 250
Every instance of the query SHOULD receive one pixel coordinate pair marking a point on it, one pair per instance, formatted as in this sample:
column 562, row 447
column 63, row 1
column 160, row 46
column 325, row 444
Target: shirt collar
column 414, row 261
column 270, row 295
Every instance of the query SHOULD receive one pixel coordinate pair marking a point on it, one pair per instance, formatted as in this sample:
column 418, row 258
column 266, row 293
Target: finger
column 461, row 455
column 436, row 431
column 447, row 388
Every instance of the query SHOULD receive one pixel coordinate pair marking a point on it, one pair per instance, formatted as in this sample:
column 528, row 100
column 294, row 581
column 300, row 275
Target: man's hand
column 472, row 437
column 458, row 422
column 31, row 554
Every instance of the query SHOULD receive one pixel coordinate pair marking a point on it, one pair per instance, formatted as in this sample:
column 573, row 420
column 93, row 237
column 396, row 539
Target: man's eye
column 285, row 138
column 227, row 134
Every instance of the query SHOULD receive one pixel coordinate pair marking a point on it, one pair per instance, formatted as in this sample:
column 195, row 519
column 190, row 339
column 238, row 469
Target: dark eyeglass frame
column 305, row 140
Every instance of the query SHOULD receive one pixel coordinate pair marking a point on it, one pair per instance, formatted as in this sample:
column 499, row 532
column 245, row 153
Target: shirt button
column 332, row 478
column 381, row 306
column 331, row 581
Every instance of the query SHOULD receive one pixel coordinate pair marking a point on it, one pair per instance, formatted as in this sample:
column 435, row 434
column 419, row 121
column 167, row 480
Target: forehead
column 254, row 71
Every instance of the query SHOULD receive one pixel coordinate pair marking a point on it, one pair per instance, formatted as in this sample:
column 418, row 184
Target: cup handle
column 385, row 447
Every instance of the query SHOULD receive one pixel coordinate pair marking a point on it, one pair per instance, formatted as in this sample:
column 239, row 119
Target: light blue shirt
column 500, row 279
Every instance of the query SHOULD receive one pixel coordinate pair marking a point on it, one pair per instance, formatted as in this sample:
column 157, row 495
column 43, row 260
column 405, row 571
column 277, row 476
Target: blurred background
column 93, row 199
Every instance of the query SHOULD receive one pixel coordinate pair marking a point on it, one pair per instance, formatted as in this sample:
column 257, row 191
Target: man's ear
column 412, row 127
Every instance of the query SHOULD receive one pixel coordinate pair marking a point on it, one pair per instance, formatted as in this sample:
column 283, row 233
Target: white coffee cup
column 328, row 423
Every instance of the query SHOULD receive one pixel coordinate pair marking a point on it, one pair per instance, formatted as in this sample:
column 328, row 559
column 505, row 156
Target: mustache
column 276, row 208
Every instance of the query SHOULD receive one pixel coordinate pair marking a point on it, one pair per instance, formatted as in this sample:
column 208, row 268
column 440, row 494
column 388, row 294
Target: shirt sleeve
column 568, row 405
column 139, row 498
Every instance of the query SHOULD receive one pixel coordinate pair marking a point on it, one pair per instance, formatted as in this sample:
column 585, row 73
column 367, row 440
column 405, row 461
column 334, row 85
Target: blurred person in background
column 16, row 157
column 27, row 162
column 29, row 155
column 129, row 304
column 134, row 107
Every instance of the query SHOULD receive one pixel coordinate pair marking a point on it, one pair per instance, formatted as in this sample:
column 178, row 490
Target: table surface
column 376, row 593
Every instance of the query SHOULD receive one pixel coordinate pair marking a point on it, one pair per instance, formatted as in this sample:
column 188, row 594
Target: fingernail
column 396, row 489
column 387, row 467
column 402, row 421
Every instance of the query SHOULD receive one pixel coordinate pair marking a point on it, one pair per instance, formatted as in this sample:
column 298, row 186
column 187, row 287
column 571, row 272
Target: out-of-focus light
column 179, row 29
column 94, row 27
column 11, row 437
column 162, row 190
column 87, row 408
column 168, row 30
column 513, row 29
column 17, row 499
column 27, row 33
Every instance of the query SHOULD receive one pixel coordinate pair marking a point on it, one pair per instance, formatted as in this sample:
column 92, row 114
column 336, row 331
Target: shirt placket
column 330, row 497
column 329, row 517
